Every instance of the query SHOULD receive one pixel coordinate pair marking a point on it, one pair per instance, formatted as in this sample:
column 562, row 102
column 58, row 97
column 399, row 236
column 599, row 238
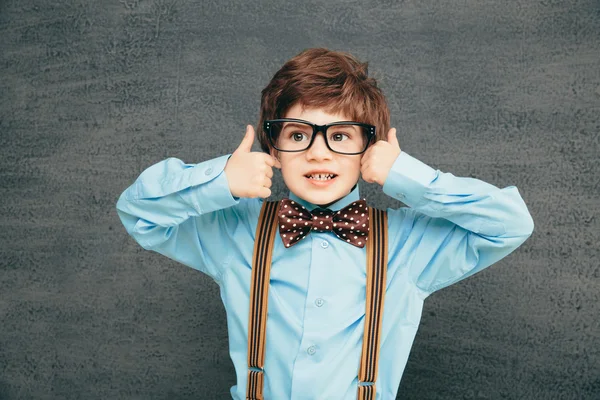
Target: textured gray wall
column 92, row 93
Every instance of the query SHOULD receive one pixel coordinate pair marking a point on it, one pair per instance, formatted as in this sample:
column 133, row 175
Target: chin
column 324, row 197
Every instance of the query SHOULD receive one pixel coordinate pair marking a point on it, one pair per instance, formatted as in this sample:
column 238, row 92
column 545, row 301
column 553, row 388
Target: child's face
column 294, row 166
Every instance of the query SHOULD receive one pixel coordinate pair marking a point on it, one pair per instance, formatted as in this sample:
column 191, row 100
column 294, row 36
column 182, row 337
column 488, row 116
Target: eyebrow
column 294, row 124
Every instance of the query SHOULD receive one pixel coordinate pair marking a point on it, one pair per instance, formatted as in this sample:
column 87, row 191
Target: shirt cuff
column 209, row 189
column 409, row 179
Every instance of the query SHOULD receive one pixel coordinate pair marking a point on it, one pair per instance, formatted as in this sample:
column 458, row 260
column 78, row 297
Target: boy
column 205, row 216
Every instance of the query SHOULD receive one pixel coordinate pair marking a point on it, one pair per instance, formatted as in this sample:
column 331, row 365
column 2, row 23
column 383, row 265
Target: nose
column 319, row 149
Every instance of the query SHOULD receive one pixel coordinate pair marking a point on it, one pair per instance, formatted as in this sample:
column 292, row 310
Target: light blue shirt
column 453, row 228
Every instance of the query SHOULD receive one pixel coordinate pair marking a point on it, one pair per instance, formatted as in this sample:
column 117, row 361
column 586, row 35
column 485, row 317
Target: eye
column 296, row 135
column 337, row 136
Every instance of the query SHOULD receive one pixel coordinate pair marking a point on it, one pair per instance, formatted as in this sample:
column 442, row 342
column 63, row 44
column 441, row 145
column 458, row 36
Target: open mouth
column 321, row 179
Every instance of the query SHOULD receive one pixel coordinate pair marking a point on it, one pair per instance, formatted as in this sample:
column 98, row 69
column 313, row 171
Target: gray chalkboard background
column 94, row 92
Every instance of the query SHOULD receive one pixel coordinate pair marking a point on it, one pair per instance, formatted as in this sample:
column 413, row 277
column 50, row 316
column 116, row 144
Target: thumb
column 246, row 144
column 392, row 139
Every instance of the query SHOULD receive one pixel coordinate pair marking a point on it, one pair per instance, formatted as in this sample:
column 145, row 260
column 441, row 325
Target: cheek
column 353, row 169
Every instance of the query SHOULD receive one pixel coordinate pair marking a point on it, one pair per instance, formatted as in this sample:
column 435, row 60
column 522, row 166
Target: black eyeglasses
column 294, row 135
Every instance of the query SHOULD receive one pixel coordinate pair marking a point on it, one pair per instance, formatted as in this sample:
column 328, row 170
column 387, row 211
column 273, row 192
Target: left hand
column 376, row 162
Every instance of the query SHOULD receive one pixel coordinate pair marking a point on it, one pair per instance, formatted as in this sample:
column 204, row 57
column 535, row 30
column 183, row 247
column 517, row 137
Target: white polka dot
column 285, row 206
column 289, row 212
column 347, row 239
column 362, row 215
column 315, row 217
column 351, row 227
column 355, row 237
column 360, row 205
column 334, row 225
column 289, row 220
column 282, row 226
column 315, row 228
column 350, row 209
column 346, row 223
column 295, row 225
column 306, row 223
column 356, row 212
column 343, row 234
column 351, row 219
column 327, row 227
column 294, row 230
column 293, row 202
column 288, row 245
column 321, row 222
column 345, row 215
column 364, row 224
column 339, row 229
column 359, row 242
column 284, row 235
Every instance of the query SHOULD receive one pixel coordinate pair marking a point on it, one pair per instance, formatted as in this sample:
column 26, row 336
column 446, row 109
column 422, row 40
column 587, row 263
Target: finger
column 246, row 144
column 364, row 170
column 272, row 161
column 264, row 192
column 364, row 176
column 392, row 138
column 269, row 172
column 365, row 157
column 267, row 182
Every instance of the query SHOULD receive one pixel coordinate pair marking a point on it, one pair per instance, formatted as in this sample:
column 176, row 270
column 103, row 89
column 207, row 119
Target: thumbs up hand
column 377, row 161
column 249, row 173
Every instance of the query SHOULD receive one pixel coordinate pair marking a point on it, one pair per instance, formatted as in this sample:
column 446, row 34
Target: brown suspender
column 266, row 230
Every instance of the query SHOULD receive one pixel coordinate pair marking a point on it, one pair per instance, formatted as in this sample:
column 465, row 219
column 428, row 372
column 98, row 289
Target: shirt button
column 324, row 244
column 208, row 171
column 319, row 302
column 311, row 350
column 400, row 195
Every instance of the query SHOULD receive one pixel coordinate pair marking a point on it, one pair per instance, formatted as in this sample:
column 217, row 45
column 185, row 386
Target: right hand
column 249, row 173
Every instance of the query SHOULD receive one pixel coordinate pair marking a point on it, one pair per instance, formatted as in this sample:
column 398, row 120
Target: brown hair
column 321, row 78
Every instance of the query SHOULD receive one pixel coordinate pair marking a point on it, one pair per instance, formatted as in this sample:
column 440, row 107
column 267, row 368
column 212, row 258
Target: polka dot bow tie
column 351, row 223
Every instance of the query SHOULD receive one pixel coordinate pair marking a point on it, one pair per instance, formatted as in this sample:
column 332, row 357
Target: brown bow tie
column 351, row 223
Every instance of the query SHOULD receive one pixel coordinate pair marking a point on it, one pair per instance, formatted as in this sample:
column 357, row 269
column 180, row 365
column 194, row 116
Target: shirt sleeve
column 183, row 211
column 455, row 226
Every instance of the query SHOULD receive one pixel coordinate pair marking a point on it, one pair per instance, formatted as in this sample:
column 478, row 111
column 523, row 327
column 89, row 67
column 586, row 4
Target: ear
column 275, row 154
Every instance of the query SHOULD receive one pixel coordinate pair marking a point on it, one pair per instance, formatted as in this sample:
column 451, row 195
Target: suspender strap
column 259, row 295
column 376, row 283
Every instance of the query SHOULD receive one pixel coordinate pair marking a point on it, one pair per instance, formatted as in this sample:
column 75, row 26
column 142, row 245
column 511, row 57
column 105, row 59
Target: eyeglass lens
column 296, row 136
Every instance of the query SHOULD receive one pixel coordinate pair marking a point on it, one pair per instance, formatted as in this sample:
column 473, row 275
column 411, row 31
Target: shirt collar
column 337, row 205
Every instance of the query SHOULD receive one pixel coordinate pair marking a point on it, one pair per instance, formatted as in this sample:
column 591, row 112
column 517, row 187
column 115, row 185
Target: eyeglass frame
column 316, row 130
